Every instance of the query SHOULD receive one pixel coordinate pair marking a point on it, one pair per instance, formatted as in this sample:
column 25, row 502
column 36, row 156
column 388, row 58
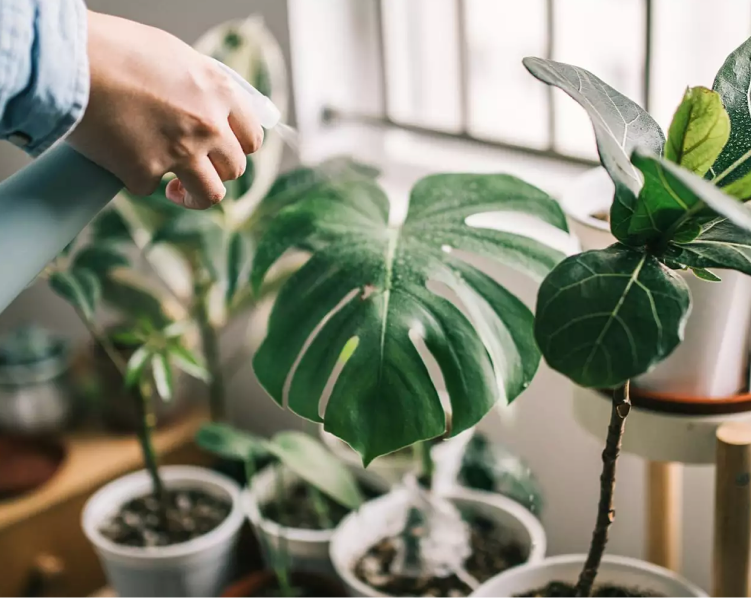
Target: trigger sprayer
column 46, row 205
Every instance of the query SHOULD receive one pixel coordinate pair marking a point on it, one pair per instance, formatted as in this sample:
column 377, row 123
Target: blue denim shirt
column 44, row 70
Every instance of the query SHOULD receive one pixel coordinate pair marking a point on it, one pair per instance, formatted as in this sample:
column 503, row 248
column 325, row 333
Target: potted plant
column 366, row 314
column 294, row 503
column 175, row 278
column 607, row 316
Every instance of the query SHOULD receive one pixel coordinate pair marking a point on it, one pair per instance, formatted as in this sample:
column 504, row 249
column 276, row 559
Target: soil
column 298, row 508
column 493, row 551
column 190, row 514
column 559, row 589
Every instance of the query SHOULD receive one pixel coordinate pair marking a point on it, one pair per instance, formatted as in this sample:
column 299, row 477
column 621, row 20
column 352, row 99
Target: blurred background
column 419, row 86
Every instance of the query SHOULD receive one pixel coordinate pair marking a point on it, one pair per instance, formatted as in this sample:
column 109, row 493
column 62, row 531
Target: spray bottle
column 46, row 205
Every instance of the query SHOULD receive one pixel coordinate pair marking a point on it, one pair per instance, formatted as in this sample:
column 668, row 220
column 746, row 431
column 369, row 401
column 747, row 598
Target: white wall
column 542, row 429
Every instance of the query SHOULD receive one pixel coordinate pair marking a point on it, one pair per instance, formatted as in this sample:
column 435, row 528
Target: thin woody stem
column 606, row 508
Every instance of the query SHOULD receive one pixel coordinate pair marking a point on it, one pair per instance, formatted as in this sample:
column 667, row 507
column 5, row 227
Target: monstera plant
column 377, row 302
column 606, row 316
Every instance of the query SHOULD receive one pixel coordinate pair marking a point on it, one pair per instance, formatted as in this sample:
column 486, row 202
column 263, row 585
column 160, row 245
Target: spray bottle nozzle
column 268, row 114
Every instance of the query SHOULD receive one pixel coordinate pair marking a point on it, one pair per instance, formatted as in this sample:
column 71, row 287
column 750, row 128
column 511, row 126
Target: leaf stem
column 210, row 343
column 621, row 406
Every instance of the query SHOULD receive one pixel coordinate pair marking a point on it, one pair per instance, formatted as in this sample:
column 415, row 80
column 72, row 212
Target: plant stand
column 668, row 440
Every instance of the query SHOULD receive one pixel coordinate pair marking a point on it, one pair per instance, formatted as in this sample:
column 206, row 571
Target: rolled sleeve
column 44, row 70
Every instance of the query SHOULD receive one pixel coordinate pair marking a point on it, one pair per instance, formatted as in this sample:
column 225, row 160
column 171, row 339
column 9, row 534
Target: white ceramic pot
column 308, row 549
column 712, row 360
column 615, row 570
column 381, row 518
column 198, row 568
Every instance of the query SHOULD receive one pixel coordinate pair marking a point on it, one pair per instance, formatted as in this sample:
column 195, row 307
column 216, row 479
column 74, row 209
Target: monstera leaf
column 620, row 127
column 372, row 293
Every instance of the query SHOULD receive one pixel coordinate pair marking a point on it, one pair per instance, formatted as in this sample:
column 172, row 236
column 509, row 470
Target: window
column 454, row 66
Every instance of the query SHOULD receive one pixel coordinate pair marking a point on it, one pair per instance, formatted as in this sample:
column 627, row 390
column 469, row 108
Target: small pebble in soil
column 559, row 589
column 298, row 508
column 493, row 551
column 190, row 514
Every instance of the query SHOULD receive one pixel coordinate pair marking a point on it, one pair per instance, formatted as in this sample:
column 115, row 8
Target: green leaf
column 162, row 373
column 672, row 195
column 740, row 188
column 237, row 259
column 705, row 274
column 733, row 83
column 368, row 281
column 230, row 443
column 127, row 338
column 110, row 227
column 187, row 362
column 720, row 245
column 699, row 131
column 605, row 316
column 99, row 259
column 136, row 366
column 134, row 300
column 309, row 459
column 79, row 287
column 620, row 126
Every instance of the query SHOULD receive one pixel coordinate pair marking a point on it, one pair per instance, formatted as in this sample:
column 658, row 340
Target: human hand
column 157, row 106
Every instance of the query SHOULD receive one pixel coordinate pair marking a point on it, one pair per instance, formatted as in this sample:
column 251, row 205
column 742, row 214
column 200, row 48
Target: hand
column 158, row 106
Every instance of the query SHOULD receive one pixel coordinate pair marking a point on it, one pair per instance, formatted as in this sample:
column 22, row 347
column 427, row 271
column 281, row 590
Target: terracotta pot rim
column 690, row 405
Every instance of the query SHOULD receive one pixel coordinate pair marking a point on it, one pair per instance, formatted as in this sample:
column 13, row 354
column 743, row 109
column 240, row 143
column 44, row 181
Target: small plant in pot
column 374, row 305
column 606, row 316
column 293, row 504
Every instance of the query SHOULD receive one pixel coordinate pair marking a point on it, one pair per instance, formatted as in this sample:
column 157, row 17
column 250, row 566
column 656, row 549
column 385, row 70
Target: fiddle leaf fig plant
column 372, row 291
column 606, row 316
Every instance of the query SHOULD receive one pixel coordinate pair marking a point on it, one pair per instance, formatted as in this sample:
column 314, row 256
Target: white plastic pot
column 614, row 570
column 308, row 549
column 198, row 568
column 711, row 362
column 381, row 518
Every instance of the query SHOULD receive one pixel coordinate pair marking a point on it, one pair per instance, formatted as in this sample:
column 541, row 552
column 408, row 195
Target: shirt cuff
column 57, row 91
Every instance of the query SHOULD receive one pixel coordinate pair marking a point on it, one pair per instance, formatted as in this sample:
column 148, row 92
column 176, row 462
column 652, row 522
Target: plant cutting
column 374, row 305
column 606, row 316
column 294, row 503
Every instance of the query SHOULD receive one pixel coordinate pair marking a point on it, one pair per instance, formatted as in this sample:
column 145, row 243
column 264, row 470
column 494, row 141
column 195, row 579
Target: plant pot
column 200, row 567
column 614, row 570
column 664, row 427
column 713, row 358
column 379, row 518
column 316, row 586
column 308, row 549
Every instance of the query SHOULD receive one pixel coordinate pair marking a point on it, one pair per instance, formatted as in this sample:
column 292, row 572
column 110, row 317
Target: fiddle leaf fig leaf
column 733, row 84
column 110, row 227
column 720, row 245
column 740, row 188
column 672, row 196
column 605, row 316
column 699, row 131
column 79, row 287
column 231, row 443
column 368, row 281
column 161, row 370
column 309, row 459
column 99, row 259
column 620, row 126
column 705, row 275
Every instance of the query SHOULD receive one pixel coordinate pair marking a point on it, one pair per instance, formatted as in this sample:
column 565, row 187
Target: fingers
column 199, row 186
column 228, row 159
column 244, row 123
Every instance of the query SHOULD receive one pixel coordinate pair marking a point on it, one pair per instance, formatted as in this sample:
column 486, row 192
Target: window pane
column 506, row 102
column 606, row 37
column 693, row 39
column 422, row 62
